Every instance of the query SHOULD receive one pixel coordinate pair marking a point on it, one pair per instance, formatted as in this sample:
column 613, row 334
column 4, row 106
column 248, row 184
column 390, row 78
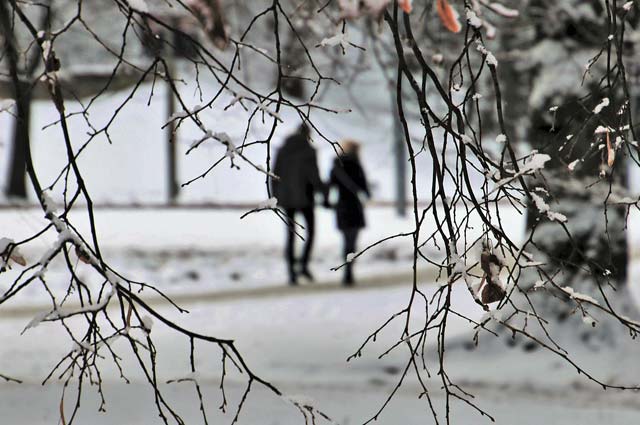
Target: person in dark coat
column 348, row 177
column 296, row 166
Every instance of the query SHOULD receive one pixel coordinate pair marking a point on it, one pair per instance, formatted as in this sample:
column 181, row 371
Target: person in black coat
column 348, row 177
column 296, row 166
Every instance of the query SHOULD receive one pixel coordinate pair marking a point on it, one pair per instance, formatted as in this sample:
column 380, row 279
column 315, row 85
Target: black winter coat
column 297, row 167
column 348, row 176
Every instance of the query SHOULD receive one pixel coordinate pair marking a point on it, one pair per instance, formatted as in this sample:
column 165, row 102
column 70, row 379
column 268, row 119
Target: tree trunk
column 401, row 158
column 16, row 187
column 172, row 156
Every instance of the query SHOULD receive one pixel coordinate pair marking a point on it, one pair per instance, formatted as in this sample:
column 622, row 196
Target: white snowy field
column 298, row 340
column 186, row 251
column 300, row 343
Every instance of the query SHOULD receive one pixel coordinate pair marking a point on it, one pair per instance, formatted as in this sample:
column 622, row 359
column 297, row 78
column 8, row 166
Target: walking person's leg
column 289, row 252
column 350, row 240
column 309, row 218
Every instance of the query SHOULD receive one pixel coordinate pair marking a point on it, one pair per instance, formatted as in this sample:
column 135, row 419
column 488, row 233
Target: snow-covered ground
column 300, row 343
column 202, row 251
column 348, row 405
column 299, row 340
column 190, row 251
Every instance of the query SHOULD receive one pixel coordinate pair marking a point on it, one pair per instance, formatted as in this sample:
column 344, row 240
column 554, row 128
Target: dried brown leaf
column 448, row 16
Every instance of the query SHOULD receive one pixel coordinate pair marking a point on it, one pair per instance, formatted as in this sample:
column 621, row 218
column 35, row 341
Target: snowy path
column 297, row 338
column 347, row 405
column 298, row 331
column 401, row 278
column 300, row 343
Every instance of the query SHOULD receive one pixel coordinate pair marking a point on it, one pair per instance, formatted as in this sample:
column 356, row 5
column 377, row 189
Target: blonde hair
column 350, row 146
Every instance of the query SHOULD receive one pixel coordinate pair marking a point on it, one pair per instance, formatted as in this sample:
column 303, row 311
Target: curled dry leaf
column 491, row 293
column 491, row 264
column 62, row 418
column 448, row 16
column 352, row 9
column 8, row 247
column 18, row 258
column 83, row 256
column 211, row 17
column 611, row 153
column 406, row 5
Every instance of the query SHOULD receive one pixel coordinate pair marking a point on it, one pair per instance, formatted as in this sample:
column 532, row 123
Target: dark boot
column 293, row 278
column 350, row 237
column 306, row 273
column 347, row 279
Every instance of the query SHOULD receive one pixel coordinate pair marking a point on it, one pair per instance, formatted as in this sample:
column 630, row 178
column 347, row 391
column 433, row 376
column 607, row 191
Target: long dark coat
column 348, row 176
column 297, row 167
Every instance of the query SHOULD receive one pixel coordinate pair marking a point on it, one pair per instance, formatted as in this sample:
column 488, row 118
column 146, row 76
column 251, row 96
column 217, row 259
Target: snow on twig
column 535, row 163
column 578, row 296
